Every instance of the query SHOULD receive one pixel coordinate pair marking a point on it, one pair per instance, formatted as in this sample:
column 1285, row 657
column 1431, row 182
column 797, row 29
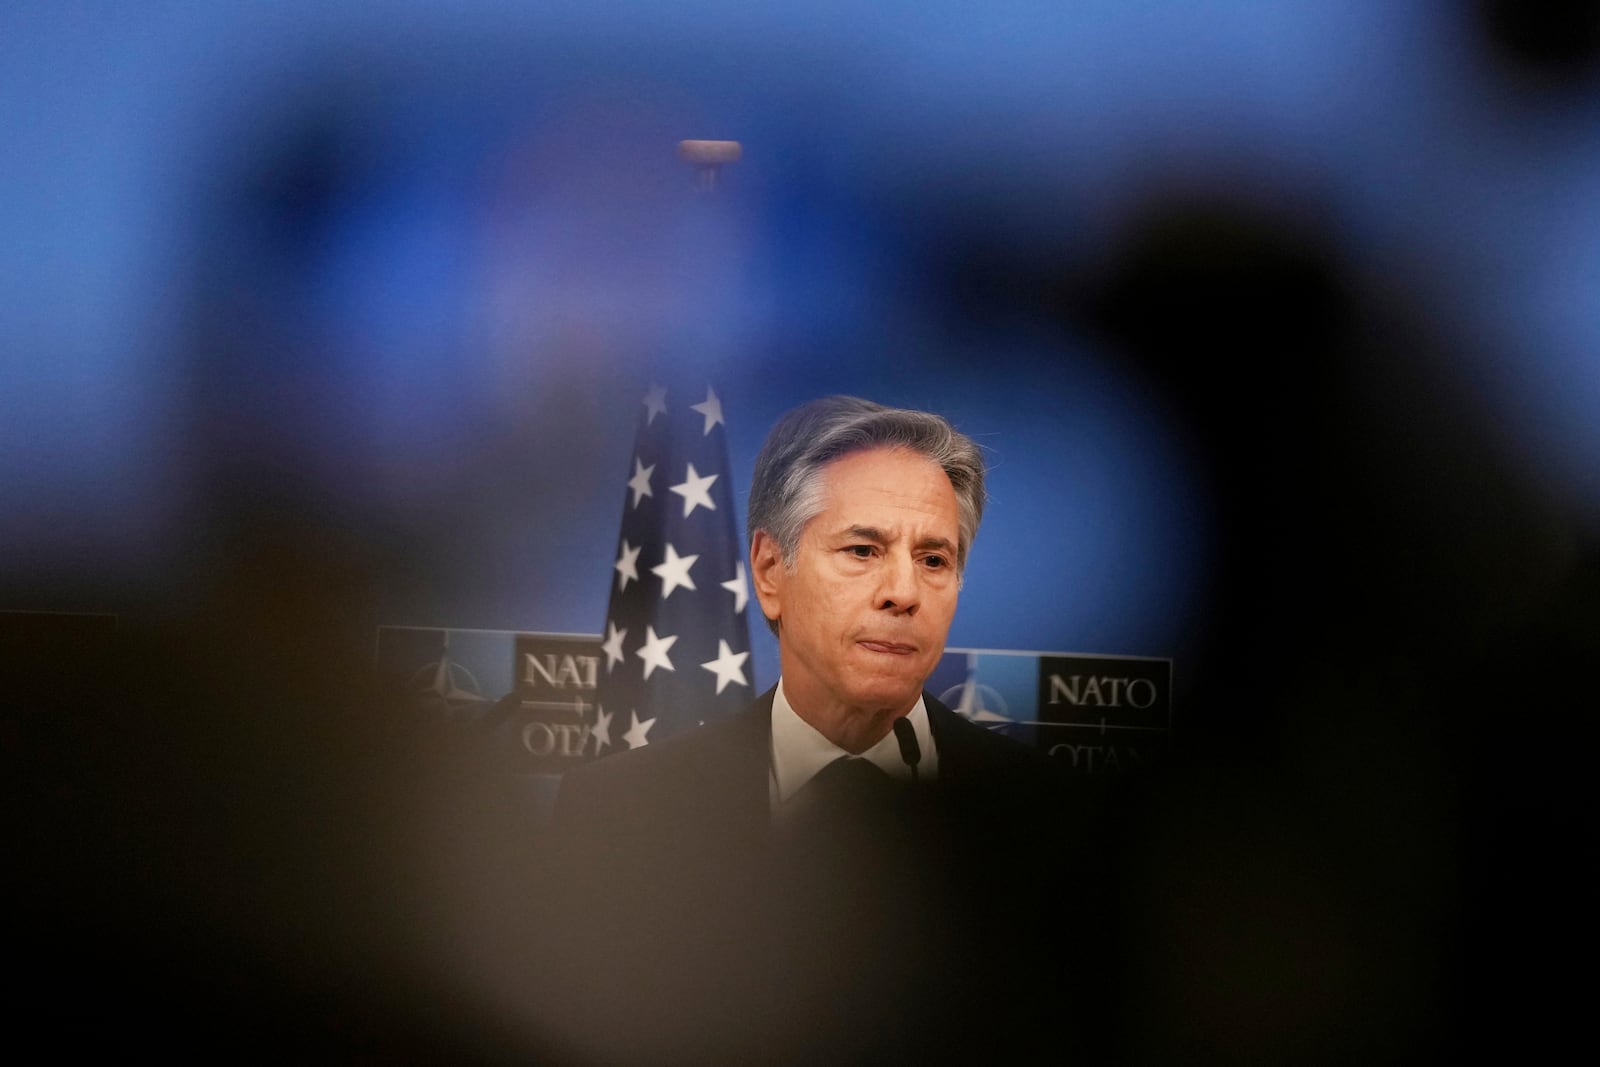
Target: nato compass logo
column 448, row 686
column 991, row 688
column 974, row 700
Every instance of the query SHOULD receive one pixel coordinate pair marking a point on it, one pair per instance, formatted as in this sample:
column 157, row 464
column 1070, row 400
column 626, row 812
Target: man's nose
column 897, row 590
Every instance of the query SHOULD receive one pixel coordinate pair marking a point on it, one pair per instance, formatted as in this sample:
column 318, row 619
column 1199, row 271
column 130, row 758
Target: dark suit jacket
column 705, row 794
column 730, row 943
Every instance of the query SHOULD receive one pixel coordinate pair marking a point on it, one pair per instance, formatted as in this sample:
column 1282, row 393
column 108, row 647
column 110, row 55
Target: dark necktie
column 851, row 807
column 849, row 786
column 850, row 893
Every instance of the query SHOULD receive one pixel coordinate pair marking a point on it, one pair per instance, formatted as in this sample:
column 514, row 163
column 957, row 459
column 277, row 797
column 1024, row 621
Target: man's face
column 863, row 616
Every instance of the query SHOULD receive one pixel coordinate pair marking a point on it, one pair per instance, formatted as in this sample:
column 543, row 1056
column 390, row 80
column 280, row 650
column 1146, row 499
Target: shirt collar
column 799, row 751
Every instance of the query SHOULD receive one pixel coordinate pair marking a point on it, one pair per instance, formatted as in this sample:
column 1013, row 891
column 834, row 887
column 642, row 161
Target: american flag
column 676, row 650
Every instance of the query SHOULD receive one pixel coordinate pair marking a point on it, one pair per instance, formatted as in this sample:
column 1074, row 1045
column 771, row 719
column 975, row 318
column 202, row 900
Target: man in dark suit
column 824, row 866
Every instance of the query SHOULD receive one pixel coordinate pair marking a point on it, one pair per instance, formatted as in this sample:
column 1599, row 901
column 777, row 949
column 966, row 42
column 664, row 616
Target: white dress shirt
column 799, row 751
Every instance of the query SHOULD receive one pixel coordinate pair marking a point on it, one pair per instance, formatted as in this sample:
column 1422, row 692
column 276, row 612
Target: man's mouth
column 890, row 648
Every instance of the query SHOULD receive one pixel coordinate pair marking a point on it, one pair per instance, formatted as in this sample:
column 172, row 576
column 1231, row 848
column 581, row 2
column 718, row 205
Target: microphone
column 910, row 751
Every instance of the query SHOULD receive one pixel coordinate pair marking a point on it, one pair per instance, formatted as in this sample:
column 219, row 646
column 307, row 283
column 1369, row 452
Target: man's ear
column 766, row 573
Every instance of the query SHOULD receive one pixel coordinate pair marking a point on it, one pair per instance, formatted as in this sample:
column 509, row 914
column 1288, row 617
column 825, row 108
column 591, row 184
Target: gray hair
column 786, row 491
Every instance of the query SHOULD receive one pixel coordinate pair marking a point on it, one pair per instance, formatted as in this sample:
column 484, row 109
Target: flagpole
column 676, row 648
column 708, row 158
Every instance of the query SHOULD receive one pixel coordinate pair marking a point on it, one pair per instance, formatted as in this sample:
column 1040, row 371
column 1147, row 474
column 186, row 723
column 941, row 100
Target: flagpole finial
column 708, row 159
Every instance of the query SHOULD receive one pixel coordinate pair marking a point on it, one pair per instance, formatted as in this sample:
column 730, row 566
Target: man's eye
column 935, row 562
column 860, row 551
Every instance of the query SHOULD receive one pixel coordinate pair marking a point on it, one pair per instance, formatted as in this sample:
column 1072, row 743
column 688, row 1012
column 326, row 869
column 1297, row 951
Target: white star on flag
column 711, row 408
column 674, row 572
column 696, row 491
column 627, row 565
column 655, row 403
column 636, row 733
column 739, row 588
column 640, row 482
column 654, row 651
column 728, row 666
column 601, row 730
column 613, row 645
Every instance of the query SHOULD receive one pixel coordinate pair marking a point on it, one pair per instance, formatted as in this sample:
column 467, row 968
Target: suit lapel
column 732, row 769
column 950, row 738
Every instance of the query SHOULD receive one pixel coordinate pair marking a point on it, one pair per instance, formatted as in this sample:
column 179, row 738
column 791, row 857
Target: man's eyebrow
column 867, row 533
column 878, row 537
